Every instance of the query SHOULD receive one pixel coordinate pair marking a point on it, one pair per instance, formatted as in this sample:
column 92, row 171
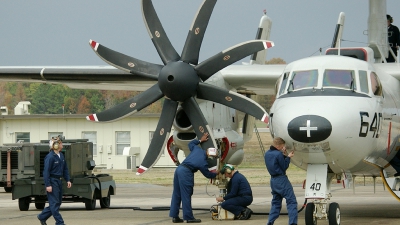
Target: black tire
column 90, row 204
column 105, row 202
column 309, row 214
column 40, row 205
column 334, row 214
column 8, row 189
column 23, row 203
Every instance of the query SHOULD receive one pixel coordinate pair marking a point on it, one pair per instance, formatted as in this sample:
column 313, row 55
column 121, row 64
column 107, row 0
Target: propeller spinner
column 180, row 80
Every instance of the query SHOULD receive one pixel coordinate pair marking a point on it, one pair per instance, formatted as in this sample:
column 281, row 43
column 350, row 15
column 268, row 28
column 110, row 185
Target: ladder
column 259, row 140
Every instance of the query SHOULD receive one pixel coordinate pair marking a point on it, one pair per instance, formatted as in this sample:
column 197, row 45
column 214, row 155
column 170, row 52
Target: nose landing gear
column 318, row 192
column 317, row 210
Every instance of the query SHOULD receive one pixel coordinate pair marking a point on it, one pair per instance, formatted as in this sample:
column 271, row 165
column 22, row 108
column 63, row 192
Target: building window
column 54, row 134
column 123, row 139
column 92, row 137
column 23, row 137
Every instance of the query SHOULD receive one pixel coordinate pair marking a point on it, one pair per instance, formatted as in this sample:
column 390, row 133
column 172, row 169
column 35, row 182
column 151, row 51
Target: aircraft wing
column 259, row 79
column 390, row 68
column 77, row 77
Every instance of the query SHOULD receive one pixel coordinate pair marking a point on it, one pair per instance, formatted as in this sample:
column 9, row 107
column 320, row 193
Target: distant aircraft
column 339, row 111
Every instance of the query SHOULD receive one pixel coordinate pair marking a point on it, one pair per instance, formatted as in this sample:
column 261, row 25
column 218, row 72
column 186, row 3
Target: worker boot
column 177, row 220
column 246, row 214
column 42, row 222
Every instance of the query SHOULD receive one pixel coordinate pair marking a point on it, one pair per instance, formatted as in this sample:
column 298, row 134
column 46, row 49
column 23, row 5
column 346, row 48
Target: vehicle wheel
column 39, row 205
column 23, row 203
column 105, row 202
column 8, row 189
column 309, row 214
column 334, row 214
column 90, row 204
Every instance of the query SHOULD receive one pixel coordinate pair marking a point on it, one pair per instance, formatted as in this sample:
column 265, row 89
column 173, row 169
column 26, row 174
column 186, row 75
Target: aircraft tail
column 263, row 32
column 377, row 29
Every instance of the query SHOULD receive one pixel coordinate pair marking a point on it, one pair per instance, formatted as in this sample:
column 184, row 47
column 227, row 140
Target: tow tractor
column 22, row 171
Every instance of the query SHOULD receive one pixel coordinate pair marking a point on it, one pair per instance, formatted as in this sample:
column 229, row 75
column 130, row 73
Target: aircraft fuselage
column 337, row 110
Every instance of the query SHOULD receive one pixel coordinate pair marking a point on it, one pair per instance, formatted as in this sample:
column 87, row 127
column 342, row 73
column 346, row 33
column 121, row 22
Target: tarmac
column 145, row 204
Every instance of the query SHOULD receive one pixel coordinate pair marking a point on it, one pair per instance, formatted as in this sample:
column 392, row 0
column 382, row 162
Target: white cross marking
column 308, row 128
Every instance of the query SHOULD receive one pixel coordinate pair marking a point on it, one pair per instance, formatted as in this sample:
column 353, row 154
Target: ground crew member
column 55, row 167
column 393, row 38
column 239, row 194
column 277, row 163
column 184, row 181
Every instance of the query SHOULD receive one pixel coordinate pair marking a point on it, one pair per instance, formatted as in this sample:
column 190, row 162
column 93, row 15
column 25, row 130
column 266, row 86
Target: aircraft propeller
column 180, row 80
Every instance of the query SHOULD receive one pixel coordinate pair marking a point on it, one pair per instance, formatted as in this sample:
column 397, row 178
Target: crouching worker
column 184, row 181
column 239, row 194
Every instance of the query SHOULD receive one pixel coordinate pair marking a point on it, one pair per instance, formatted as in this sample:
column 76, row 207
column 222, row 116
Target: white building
column 109, row 139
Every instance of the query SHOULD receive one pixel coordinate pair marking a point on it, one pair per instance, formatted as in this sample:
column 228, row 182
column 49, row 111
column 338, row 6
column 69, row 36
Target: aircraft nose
column 309, row 128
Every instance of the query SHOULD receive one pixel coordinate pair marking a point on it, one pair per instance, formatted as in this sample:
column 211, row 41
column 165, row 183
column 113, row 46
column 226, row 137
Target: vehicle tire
column 8, row 189
column 40, row 205
column 334, row 214
column 309, row 214
column 105, row 202
column 23, row 203
column 90, row 204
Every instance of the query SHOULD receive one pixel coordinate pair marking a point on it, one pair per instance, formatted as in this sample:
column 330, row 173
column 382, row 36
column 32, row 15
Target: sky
column 57, row 33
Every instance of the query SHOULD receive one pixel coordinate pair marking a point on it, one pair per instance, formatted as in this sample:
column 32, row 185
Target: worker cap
column 212, row 152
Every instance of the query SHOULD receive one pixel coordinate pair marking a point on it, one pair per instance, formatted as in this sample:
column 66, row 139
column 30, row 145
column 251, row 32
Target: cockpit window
column 339, row 78
column 362, row 75
column 303, row 79
column 283, row 83
column 375, row 84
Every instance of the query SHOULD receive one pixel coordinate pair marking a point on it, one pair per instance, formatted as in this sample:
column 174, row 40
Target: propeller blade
column 128, row 107
column 160, row 137
column 190, row 52
column 229, row 56
column 157, row 33
column 199, row 123
column 200, row 126
column 126, row 63
column 232, row 99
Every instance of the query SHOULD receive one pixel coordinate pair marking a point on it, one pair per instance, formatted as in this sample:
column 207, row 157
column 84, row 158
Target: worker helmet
column 228, row 168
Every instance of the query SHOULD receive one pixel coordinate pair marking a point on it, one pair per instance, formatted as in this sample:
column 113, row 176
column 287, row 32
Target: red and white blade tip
column 268, row 44
column 265, row 118
column 141, row 170
column 92, row 117
column 93, row 44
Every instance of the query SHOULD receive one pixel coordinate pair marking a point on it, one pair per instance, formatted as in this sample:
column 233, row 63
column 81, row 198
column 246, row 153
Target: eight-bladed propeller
column 180, row 80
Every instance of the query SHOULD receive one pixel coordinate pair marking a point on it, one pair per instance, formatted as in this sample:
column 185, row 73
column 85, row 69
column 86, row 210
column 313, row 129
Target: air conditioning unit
column 4, row 110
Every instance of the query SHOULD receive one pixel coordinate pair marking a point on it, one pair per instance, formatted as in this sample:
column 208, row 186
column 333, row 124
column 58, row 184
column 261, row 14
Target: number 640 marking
column 374, row 127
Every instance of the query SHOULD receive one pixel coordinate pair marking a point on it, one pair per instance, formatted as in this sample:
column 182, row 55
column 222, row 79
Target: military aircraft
column 338, row 111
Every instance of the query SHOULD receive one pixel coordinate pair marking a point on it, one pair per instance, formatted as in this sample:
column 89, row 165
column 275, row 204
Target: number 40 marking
column 316, row 186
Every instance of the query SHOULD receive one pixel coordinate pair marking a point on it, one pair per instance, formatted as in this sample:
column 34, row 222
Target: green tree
column 95, row 99
column 84, row 106
column 41, row 101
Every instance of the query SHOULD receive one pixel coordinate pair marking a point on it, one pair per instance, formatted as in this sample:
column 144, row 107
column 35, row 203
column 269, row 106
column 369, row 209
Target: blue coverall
column 277, row 165
column 239, row 194
column 184, row 180
column 54, row 167
column 395, row 162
